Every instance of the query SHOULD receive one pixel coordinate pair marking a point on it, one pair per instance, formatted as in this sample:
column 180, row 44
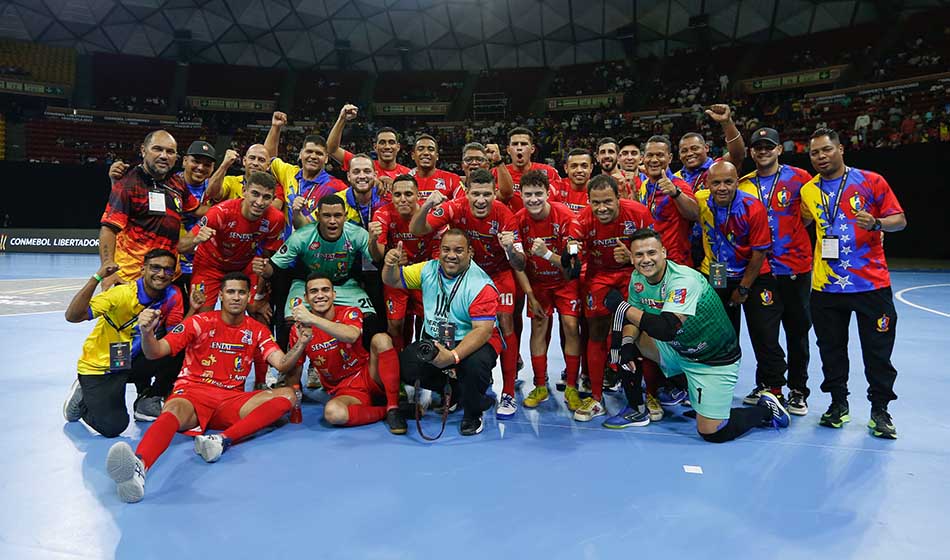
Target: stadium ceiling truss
column 380, row 35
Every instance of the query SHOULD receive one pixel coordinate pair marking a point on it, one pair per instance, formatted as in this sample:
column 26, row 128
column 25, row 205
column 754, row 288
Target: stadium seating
column 145, row 87
column 418, row 86
column 37, row 62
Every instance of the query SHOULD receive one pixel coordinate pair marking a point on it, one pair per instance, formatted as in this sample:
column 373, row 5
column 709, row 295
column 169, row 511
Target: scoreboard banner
column 792, row 80
column 579, row 102
column 225, row 104
column 33, row 88
column 49, row 241
column 411, row 108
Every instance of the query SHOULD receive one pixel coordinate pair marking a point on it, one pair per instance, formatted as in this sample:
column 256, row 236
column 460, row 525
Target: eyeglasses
column 155, row 269
column 474, row 159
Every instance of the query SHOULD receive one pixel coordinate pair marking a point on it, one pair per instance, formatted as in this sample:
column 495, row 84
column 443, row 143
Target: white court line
column 900, row 298
column 31, row 313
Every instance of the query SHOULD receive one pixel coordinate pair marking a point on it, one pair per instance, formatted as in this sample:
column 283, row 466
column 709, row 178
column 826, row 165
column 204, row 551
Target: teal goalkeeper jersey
column 332, row 258
column 707, row 335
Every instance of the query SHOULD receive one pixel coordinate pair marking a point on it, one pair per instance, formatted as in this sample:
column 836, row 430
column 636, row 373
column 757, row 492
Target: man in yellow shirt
column 111, row 356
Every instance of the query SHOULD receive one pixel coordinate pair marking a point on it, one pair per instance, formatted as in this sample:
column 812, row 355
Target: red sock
column 573, row 364
column 388, row 368
column 596, row 359
column 539, row 364
column 509, row 364
column 259, row 418
column 361, row 414
column 157, row 437
column 652, row 376
column 777, row 391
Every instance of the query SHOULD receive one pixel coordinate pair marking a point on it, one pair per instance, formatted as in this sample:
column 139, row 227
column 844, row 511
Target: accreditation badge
column 156, row 203
column 120, row 356
column 829, row 248
column 717, row 275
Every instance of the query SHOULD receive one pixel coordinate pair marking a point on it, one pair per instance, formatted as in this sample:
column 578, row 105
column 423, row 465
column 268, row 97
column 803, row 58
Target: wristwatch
column 677, row 193
column 743, row 291
column 878, row 225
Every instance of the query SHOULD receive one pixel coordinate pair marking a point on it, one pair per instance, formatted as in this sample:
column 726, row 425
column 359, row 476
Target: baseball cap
column 201, row 148
column 627, row 141
column 765, row 134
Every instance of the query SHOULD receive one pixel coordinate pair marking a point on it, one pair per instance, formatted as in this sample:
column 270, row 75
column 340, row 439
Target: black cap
column 765, row 134
column 627, row 141
column 201, row 148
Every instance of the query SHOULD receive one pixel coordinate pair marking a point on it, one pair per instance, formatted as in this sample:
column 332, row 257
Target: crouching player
column 353, row 377
column 220, row 347
column 678, row 322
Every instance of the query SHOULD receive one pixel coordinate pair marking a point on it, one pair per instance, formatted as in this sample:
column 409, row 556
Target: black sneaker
column 837, row 414
column 797, row 404
column 753, row 396
column 611, row 380
column 471, row 426
column 396, row 422
column 881, row 424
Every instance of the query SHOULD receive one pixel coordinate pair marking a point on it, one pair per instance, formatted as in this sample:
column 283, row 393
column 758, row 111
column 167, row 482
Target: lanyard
column 717, row 234
column 757, row 181
column 130, row 322
column 837, row 205
column 364, row 221
column 442, row 310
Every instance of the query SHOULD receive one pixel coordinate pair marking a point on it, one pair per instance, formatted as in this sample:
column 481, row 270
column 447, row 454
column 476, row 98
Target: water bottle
column 296, row 415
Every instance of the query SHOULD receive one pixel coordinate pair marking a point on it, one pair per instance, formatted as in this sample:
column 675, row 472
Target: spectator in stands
column 144, row 211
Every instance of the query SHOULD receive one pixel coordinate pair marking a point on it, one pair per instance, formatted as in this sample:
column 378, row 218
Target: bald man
column 222, row 186
column 736, row 239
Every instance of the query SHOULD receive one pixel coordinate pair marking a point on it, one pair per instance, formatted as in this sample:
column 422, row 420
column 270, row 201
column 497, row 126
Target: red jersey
column 781, row 195
column 516, row 203
column 563, row 191
column 380, row 172
column 600, row 239
column 668, row 222
column 559, row 227
column 236, row 238
column 217, row 353
column 336, row 361
column 396, row 228
column 483, row 232
column 446, row 183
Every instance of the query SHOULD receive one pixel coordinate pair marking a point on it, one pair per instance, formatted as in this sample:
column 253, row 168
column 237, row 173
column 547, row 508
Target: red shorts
column 504, row 282
column 597, row 287
column 360, row 386
column 209, row 279
column 216, row 408
column 400, row 302
column 566, row 299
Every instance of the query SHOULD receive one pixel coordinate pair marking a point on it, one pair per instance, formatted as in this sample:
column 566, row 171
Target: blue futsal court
column 540, row 486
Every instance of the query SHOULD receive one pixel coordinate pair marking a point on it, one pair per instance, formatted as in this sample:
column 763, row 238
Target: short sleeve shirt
column 731, row 234
column 332, row 258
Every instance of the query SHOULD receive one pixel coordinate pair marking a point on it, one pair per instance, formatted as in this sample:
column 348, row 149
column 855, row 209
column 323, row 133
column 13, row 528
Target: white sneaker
column 507, row 407
column 424, row 398
column 211, row 447
column 589, row 410
column 128, row 472
column 654, row 408
column 271, row 378
column 71, row 409
column 313, row 378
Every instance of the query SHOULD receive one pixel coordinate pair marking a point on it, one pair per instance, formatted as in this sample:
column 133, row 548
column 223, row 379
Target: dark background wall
column 59, row 196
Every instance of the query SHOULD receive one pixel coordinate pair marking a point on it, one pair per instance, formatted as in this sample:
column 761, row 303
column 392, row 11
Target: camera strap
column 446, row 403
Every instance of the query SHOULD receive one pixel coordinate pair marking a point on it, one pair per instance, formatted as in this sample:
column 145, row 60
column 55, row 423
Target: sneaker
column 562, row 384
column 583, row 384
column 654, row 408
column 507, row 407
column 72, row 410
column 313, row 378
column 572, row 398
column 881, row 424
column 147, row 409
column 753, row 396
column 471, row 426
column 611, row 380
column 211, row 447
column 671, row 396
column 797, row 404
column 837, row 414
column 537, row 396
column 396, row 422
column 780, row 417
column 589, row 410
column 628, row 417
column 128, row 472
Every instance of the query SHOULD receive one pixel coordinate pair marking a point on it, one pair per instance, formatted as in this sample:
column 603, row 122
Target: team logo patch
column 884, row 323
column 203, row 221
column 438, row 212
column 390, row 306
column 590, row 301
column 283, row 249
column 180, row 392
column 638, row 287
column 246, row 336
column 314, row 246
column 767, row 298
column 238, row 364
column 857, row 203
column 179, row 328
column 352, row 315
column 265, row 225
column 629, row 228
column 783, row 197
column 677, row 296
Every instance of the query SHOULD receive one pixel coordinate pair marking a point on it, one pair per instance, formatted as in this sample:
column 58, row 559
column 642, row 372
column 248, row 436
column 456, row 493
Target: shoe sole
column 798, row 411
column 476, row 432
column 750, row 400
column 879, row 434
column 139, row 417
column 585, row 418
column 73, row 389
column 656, row 416
column 120, row 465
column 203, row 447
column 534, row 404
column 829, row 424
column 505, row 416
column 398, row 431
